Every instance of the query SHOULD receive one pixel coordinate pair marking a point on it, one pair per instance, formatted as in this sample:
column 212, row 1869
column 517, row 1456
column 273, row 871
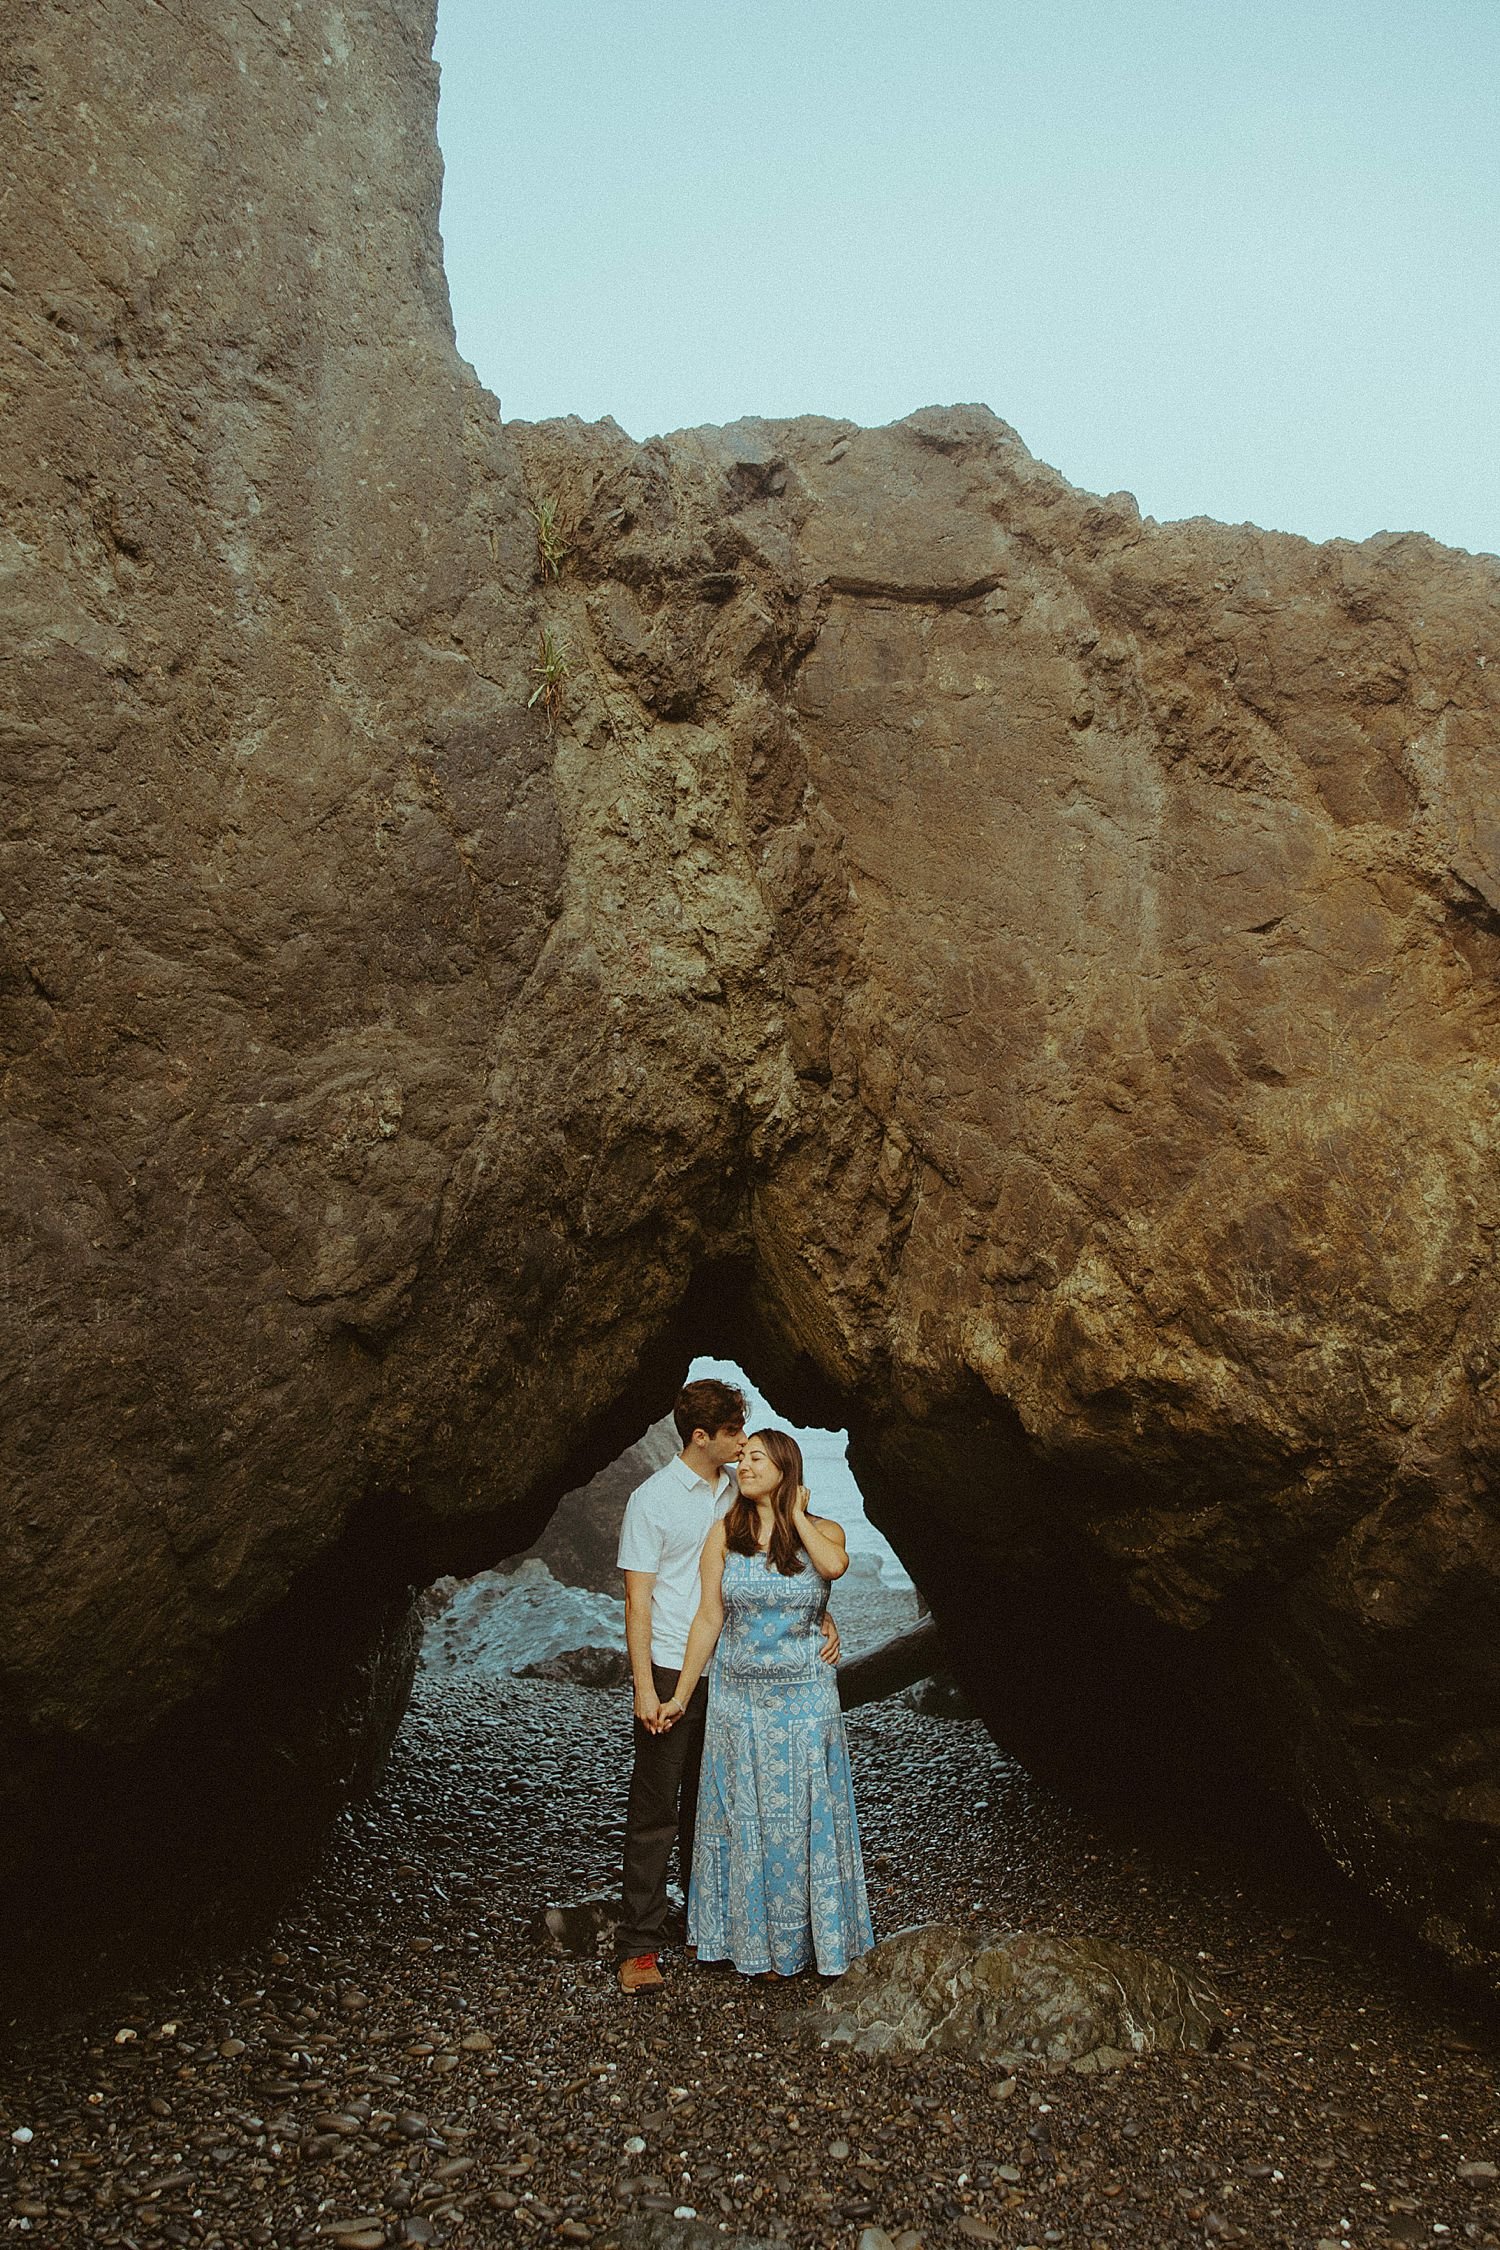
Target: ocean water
column 825, row 1456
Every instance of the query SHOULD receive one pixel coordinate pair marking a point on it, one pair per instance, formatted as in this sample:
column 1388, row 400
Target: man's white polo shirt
column 666, row 1522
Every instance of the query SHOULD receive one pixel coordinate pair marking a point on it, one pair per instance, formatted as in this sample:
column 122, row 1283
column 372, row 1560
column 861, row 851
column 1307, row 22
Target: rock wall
column 254, row 938
column 1130, row 1180
column 1020, row 978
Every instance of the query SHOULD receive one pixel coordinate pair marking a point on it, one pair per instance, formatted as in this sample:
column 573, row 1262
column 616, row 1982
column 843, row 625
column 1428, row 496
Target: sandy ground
column 400, row 2060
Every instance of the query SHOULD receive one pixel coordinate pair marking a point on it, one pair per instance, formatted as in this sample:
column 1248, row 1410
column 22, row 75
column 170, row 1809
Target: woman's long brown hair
column 741, row 1524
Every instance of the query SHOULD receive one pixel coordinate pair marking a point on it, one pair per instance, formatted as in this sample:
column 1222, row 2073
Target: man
column 667, row 1519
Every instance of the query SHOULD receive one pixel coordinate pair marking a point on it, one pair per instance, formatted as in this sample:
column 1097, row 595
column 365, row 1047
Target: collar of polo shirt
column 690, row 1477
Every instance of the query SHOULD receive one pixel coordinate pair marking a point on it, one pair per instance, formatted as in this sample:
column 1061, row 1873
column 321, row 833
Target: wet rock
column 1028, row 1997
column 941, row 1697
column 582, row 1929
column 585, row 1667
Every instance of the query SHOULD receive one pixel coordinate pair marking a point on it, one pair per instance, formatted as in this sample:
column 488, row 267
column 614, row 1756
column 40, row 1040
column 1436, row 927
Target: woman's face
column 759, row 1475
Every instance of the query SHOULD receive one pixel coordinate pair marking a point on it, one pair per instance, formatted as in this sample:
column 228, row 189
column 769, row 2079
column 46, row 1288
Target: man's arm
column 638, row 1585
column 830, row 1650
column 706, row 1626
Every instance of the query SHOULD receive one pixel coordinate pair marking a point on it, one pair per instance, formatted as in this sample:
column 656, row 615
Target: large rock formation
column 277, row 851
column 581, row 1542
column 1020, row 978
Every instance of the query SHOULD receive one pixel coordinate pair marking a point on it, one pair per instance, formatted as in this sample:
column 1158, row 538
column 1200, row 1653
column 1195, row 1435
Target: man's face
column 726, row 1445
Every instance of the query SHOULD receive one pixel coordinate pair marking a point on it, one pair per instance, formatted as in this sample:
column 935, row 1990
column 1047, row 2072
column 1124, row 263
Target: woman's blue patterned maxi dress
column 778, row 1880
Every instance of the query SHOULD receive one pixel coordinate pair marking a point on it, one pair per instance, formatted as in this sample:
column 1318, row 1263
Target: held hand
column 669, row 1713
column 648, row 1709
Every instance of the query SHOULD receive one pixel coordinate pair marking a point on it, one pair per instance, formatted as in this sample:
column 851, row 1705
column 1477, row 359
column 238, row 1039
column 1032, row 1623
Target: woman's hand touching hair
column 822, row 1539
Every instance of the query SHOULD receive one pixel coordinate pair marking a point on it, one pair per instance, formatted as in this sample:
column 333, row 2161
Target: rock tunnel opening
column 555, row 1609
column 1083, row 1693
column 1089, row 1690
column 219, row 1816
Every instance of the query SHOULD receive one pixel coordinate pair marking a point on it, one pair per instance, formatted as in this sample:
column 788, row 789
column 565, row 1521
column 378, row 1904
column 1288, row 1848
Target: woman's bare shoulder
column 828, row 1524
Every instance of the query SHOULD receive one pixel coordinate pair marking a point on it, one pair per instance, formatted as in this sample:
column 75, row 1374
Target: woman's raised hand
column 822, row 1541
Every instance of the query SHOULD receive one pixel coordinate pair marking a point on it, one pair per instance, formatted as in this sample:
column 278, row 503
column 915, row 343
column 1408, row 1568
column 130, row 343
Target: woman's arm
column 706, row 1626
column 822, row 1538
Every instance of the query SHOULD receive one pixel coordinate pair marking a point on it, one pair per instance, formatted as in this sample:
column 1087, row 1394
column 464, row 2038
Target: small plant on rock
column 550, row 548
column 549, row 671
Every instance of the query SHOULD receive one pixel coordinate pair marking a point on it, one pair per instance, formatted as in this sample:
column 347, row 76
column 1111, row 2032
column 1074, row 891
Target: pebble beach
column 401, row 2060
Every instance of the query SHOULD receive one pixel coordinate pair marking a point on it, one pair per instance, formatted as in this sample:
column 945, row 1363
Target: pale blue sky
column 825, row 1463
column 1240, row 257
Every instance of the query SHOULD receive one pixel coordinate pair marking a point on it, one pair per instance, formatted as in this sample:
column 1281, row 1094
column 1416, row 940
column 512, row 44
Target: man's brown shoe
column 640, row 1974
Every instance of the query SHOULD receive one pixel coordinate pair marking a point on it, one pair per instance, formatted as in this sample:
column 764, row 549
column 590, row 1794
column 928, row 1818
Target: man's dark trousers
column 662, row 1807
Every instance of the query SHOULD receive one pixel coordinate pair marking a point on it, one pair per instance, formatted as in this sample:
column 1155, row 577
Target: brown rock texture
column 1009, row 1999
column 275, row 851
column 1130, row 1186
column 1021, row 978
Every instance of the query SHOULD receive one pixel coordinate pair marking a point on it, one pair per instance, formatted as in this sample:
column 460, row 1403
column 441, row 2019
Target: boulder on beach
column 585, row 1927
column 581, row 1927
column 581, row 1667
column 1027, row 1998
column 940, row 1697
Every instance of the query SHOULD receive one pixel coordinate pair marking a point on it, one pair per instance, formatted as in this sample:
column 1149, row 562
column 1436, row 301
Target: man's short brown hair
column 709, row 1405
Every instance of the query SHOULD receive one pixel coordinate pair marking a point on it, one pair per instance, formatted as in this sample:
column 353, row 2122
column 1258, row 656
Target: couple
column 747, row 1769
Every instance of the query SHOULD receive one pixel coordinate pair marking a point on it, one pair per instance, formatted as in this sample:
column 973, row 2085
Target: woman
column 778, row 1881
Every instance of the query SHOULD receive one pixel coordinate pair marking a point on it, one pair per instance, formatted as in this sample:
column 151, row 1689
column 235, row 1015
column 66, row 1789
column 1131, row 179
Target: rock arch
column 1025, row 972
